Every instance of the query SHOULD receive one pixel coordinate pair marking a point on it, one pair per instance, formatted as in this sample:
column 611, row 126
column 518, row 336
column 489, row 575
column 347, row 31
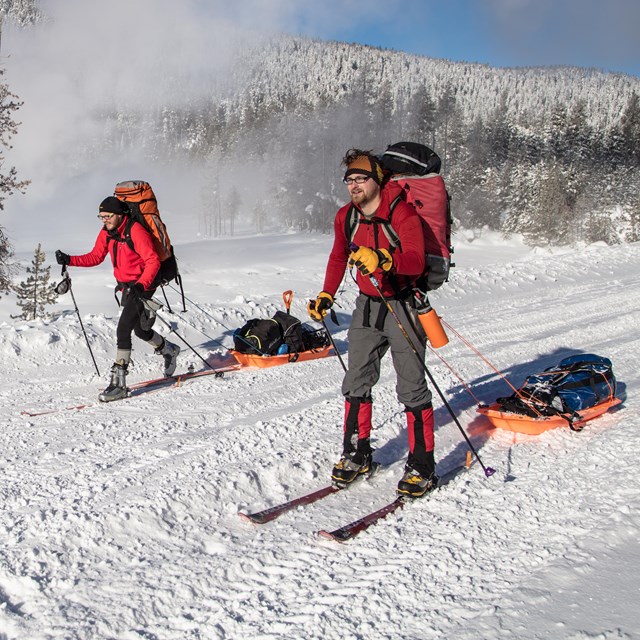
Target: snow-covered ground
column 120, row 520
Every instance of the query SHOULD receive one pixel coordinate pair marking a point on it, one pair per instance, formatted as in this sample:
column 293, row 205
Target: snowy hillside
column 120, row 521
column 290, row 69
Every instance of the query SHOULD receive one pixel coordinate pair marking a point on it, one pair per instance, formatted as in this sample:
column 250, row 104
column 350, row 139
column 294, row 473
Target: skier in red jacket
column 373, row 330
column 136, row 270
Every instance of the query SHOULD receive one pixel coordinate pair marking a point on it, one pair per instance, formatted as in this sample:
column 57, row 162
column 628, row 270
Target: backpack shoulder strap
column 387, row 227
column 352, row 222
column 127, row 235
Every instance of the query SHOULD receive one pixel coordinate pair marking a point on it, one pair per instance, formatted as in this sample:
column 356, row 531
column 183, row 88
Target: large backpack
column 143, row 208
column 575, row 383
column 415, row 167
column 283, row 333
column 257, row 336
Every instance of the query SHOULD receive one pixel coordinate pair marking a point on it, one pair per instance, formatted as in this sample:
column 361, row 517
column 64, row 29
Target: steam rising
column 94, row 61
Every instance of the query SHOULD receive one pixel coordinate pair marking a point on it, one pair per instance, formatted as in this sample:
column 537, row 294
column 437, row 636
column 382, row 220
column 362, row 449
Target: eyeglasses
column 358, row 180
column 105, row 216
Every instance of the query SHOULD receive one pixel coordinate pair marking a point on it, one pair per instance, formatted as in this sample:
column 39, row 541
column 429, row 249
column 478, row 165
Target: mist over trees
column 550, row 153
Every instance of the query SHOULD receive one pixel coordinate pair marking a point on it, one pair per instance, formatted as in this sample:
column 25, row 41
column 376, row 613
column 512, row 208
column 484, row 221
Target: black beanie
column 113, row 205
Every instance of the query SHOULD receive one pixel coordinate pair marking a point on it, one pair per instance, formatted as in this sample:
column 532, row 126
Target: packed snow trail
column 121, row 520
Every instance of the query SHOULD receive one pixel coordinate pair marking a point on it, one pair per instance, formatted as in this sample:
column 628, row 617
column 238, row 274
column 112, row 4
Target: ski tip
column 331, row 535
column 249, row 517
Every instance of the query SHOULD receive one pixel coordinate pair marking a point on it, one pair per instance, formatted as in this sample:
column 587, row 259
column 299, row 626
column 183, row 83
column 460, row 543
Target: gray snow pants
column 368, row 344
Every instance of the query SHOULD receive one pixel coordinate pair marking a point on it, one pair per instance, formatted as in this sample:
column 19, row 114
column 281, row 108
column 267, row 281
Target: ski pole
column 172, row 330
column 61, row 288
column 333, row 344
column 199, row 308
column 142, row 302
column 488, row 471
column 189, row 324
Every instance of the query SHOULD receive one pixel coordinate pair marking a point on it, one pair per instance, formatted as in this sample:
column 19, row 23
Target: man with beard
column 373, row 330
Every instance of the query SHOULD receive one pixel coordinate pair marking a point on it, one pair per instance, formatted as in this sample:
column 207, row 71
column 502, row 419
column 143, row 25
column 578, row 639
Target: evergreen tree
column 446, row 132
column 8, row 179
column 422, row 114
column 633, row 233
column 22, row 12
column 232, row 205
column 556, row 133
column 579, row 135
column 384, row 129
column 7, row 267
column 500, row 133
column 35, row 293
column 552, row 220
column 630, row 128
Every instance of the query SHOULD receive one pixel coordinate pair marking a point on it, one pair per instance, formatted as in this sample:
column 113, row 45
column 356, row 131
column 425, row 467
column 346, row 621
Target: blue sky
column 587, row 33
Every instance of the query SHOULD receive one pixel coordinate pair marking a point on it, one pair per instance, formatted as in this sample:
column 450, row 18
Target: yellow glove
column 368, row 260
column 317, row 309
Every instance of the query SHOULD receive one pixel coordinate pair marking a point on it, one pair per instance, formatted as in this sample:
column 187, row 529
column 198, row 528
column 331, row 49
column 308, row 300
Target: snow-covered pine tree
column 35, row 293
column 8, row 179
column 22, row 12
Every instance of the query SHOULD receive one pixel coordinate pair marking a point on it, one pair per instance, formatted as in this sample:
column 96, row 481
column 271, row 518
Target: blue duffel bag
column 575, row 383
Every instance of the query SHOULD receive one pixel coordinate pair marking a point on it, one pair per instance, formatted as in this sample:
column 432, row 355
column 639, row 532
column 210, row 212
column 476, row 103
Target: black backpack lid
column 411, row 157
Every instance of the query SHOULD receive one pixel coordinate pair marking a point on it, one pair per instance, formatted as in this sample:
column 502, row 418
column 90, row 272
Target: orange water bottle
column 432, row 326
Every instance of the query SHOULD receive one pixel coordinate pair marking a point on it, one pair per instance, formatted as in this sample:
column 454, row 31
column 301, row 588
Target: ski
column 267, row 515
column 140, row 388
column 77, row 407
column 349, row 531
column 177, row 380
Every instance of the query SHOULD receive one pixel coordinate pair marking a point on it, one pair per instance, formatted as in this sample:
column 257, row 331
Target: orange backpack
column 143, row 208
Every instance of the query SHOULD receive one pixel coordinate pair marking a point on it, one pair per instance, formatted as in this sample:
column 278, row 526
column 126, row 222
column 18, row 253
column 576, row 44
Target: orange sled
column 535, row 426
column 249, row 360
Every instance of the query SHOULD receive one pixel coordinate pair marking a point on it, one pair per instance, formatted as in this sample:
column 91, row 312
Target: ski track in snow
column 120, row 521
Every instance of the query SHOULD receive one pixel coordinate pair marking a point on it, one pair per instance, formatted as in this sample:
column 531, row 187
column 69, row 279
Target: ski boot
column 117, row 388
column 414, row 485
column 169, row 352
column 350, row 467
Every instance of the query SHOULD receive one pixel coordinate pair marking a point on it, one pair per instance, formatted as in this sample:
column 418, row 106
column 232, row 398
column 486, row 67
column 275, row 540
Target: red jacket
column 408, row 263
column 139, row 266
